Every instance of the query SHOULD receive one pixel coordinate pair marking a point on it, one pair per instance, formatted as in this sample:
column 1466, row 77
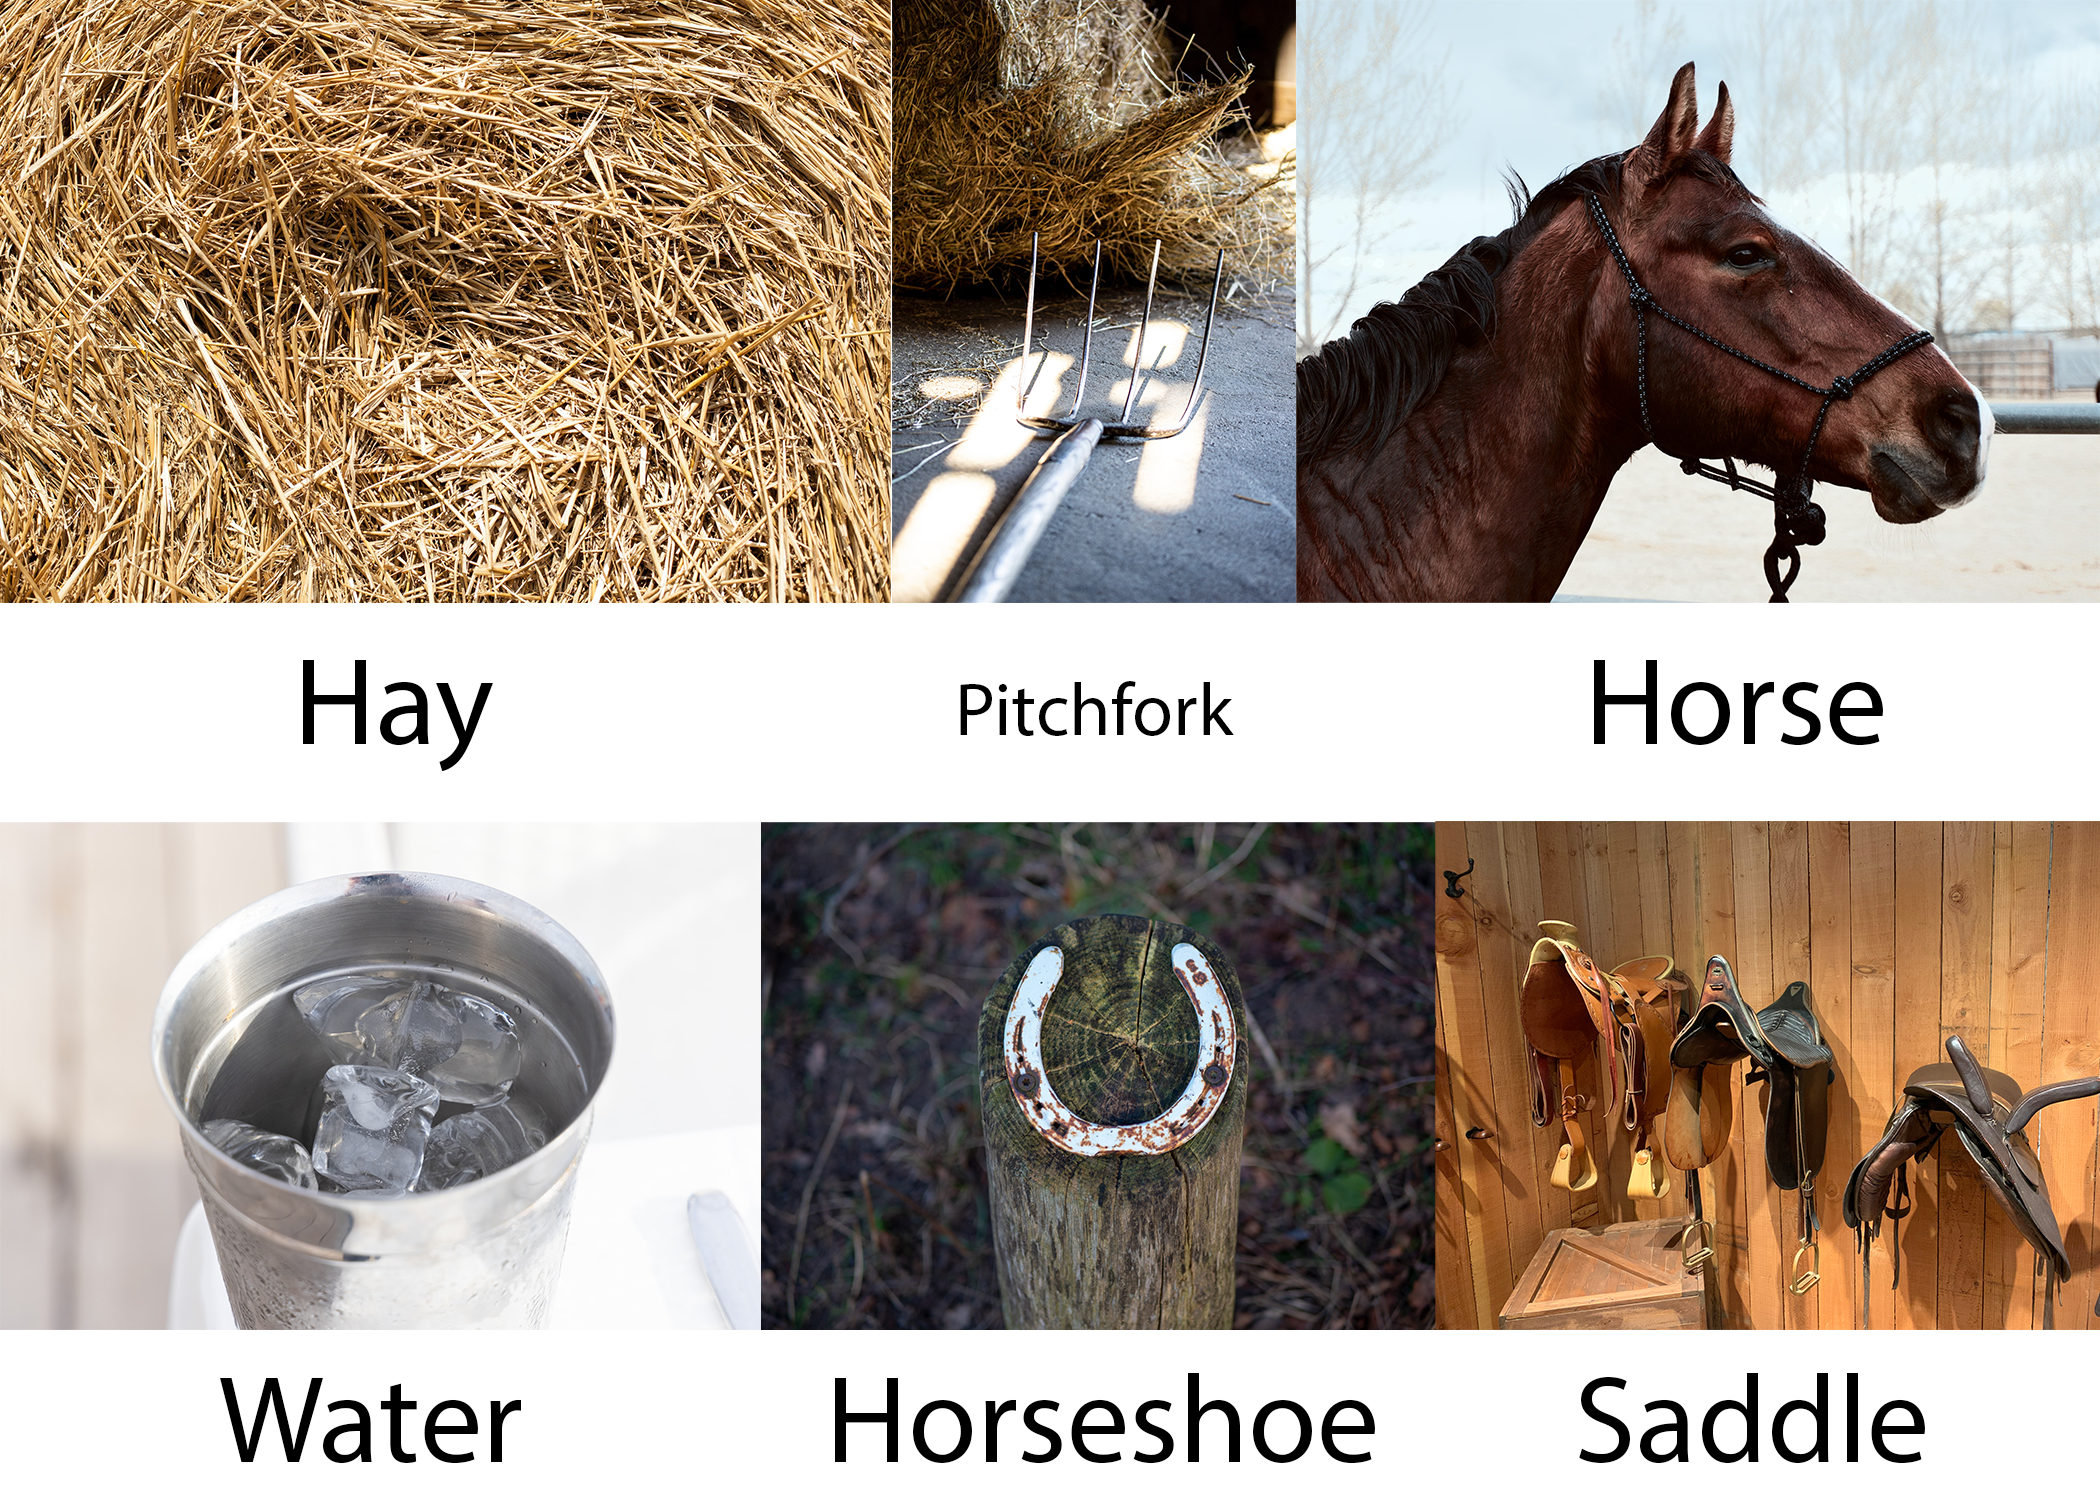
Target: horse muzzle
column 1939, row 465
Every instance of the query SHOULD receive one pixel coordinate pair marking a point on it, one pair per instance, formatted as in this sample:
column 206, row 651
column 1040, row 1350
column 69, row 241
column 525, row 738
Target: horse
column 1457, row 445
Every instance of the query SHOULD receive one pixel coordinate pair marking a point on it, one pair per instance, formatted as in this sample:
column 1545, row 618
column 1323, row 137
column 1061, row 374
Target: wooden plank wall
column 1907, row 933
column 93, row 1187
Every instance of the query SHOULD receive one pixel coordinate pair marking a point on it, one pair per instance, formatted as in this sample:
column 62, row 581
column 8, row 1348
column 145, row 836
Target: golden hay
column 1063, row 117
column 431, row 299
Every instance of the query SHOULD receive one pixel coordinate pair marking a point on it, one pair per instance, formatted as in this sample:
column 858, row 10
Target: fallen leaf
column 1338, row 1119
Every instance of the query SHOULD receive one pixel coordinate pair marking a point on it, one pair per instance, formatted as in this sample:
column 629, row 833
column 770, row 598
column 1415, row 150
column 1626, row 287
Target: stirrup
column 1564, row 1170
column 1648, row 1180
column 1801, row 1283
column 1700, row 1259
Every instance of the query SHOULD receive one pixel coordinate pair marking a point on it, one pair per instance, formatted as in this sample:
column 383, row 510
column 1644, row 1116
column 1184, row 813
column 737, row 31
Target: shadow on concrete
column 1207, row 515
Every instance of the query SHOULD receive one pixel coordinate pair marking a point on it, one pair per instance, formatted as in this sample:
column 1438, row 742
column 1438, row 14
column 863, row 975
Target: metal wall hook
column 1452, row 879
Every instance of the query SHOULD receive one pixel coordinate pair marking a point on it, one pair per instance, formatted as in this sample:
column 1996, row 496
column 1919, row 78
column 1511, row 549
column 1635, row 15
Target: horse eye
column 1743, row 257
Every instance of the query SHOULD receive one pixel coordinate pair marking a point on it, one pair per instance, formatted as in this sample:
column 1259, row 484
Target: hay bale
column 1063, row 117
column 443, row 299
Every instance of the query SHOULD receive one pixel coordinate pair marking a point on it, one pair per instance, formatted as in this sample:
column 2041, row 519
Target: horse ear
column 1719, row 134
column 1674, row 127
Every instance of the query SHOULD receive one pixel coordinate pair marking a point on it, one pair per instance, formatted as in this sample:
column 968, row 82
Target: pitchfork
column 1074, row 437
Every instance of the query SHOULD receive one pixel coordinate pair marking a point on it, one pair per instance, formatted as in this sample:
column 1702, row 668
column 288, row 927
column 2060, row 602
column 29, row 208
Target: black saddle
column 1786, row 1051
column 1989, row 1114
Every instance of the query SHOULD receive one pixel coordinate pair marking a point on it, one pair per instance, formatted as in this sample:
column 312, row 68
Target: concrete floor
column 1208, row 515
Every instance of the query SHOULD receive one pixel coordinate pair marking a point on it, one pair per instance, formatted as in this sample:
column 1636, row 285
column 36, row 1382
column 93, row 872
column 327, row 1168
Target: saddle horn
column 1971, row 1073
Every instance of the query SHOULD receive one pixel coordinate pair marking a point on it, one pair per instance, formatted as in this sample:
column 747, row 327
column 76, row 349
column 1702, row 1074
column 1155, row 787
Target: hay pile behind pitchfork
column 443, row 299
column 1065, row 118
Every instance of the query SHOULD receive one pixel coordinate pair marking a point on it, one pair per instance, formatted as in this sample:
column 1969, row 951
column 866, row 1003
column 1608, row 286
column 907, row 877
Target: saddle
column 1988, row 1113
column 1786, row 1051
column 1569, row 1005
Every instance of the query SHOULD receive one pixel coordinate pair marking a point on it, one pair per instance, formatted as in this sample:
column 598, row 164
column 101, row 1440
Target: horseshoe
column 1217, row 1045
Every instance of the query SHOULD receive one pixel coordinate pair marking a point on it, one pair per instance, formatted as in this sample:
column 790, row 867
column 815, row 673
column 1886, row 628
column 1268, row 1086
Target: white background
column 1457, row 1413
column 678, row 712
column 682, row 713
column 695, row 1414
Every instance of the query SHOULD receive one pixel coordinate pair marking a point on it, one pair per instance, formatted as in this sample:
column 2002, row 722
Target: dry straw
column 1064, row 117
column 427, row 299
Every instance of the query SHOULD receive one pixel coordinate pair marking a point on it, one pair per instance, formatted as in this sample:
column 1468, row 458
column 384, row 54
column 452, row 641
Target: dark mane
column 1357, row 389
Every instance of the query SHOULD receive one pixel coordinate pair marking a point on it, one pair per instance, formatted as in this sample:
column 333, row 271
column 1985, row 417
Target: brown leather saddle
column 1787, row 1053
column 1570, row 1006
column 1988, row 1114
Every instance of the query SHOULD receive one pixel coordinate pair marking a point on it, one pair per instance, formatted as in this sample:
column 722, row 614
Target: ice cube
column 374, row 1126
column 277, row 1156
column 381, row 1020
column 480, row 1143
column 482, row 1067
column 333, row 1007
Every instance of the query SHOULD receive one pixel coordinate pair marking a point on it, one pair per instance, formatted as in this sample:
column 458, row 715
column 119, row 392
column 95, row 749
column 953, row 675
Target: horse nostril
column 1956, row 425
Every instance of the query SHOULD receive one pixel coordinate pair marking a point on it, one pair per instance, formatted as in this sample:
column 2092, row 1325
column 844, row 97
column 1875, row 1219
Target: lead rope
column 1797, row 521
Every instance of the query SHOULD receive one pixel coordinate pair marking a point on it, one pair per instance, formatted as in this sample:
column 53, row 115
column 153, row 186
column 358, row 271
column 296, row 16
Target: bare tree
column 1876, row 82
column 1949, row 98
column 1374, row 112
column 1780, row 92
column 2068, row 199
column 1652, row 48
column 2008, row 149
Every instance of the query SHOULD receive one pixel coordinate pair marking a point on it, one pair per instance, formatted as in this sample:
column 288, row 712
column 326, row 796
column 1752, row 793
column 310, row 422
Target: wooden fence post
column 1126, row 1241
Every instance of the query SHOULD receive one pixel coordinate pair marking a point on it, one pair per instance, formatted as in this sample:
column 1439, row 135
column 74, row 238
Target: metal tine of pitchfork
column 1086, row 346
column 1137, row 358
column 1000, row 564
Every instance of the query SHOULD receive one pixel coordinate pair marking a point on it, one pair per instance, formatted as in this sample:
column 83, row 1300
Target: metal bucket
column 228, row 1042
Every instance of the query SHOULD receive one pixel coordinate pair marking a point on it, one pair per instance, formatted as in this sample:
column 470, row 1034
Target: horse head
column 1914, row 435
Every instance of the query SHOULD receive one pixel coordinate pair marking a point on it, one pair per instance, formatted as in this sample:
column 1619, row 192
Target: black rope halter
column 1797, row 521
